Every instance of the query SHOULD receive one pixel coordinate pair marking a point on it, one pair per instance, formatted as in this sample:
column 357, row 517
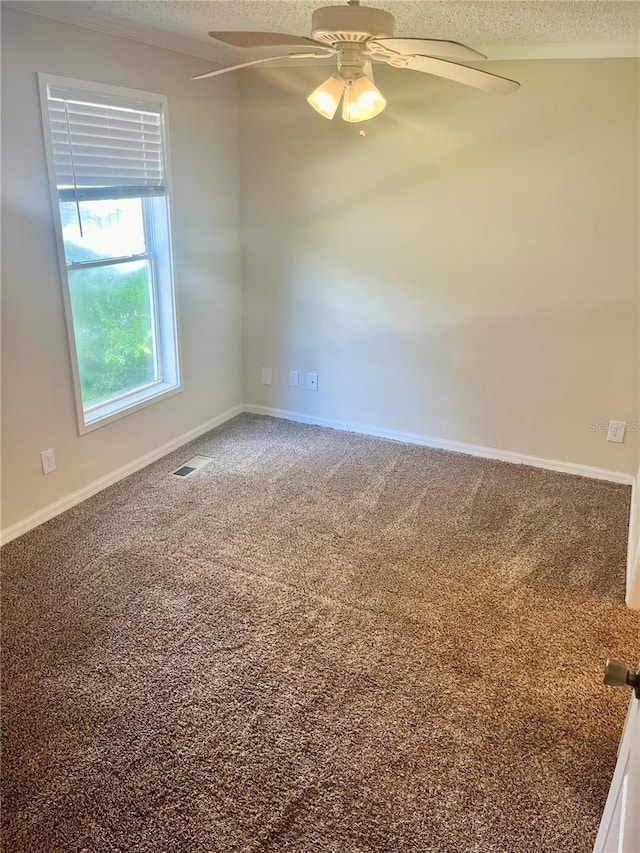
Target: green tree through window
column 111, row 296
column 114, row 329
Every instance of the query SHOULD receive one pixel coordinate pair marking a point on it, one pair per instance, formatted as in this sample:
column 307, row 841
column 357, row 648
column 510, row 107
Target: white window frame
column 161, row 263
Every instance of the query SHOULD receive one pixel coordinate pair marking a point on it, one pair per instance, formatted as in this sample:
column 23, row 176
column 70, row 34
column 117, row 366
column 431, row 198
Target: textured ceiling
column 503, row 30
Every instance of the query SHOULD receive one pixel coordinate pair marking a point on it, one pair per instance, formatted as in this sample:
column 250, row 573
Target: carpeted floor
column 319, row 642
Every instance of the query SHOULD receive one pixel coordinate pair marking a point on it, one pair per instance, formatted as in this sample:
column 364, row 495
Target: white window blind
column 105, row 147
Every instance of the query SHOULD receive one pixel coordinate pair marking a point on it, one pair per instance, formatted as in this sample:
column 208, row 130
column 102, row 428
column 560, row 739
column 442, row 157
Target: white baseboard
column 454, row 446
column 50, row 511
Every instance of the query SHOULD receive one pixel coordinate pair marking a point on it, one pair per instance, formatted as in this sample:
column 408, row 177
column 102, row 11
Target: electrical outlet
column 294, row 379
column 616, row 431
column 48, row 461
column 267, row 374
column 312, row 381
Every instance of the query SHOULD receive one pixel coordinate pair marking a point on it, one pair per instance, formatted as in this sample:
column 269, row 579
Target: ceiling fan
column 358, row 35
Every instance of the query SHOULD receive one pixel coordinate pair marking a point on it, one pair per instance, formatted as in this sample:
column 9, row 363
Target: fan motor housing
column 333, row 24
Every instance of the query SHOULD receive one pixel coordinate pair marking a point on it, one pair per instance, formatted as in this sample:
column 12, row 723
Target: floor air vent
column 191, row 465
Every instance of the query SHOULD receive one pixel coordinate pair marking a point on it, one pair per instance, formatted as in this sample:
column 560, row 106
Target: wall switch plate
column 294, row 380
column 616, row 431
column 312, row 381
column 266, row 375
column 48, row 461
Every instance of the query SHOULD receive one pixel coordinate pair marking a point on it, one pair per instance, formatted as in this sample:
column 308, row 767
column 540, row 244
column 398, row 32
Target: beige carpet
column 320, row 642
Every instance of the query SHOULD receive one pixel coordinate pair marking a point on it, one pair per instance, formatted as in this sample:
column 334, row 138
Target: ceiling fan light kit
column 357, row 35
column 354, row 80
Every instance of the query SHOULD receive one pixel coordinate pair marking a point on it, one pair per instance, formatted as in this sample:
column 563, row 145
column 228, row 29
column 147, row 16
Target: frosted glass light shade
column 362, row 100
column 325, row 98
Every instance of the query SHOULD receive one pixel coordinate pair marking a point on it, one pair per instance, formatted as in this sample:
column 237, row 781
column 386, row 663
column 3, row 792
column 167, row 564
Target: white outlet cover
column 312, row 381
column 294, row 379
column 616, row 431
column 48, row 461
column 266, row 375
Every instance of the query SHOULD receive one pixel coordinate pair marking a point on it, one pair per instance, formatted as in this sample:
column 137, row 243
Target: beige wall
column 37, row 396
column 468, row 270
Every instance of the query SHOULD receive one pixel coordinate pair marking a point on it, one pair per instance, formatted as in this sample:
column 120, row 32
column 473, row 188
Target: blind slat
column 98, row 138
column 91, row 108
column 99, row 193
column 120, row 155
column 66, row 180
column 97, row 126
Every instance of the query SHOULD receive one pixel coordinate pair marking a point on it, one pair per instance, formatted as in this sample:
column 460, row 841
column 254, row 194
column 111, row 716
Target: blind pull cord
column 73, row 168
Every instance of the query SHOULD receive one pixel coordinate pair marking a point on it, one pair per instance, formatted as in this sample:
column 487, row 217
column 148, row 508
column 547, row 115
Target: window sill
column 108, row 412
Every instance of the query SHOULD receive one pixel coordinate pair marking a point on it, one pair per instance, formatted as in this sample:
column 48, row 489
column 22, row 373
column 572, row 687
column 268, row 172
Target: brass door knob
column 617, row 674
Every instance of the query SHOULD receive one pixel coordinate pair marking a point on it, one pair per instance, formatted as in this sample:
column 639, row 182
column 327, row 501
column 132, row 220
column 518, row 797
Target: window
column 106, row 152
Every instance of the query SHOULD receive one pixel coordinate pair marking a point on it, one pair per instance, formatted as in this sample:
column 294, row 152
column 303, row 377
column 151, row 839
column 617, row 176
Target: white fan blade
column 238, row 38
column 459, row 73
column 257, row 62
column 427, row 47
